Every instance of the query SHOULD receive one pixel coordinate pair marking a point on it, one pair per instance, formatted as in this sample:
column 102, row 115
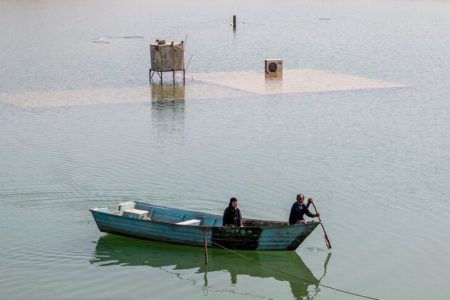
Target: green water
column 376, row 161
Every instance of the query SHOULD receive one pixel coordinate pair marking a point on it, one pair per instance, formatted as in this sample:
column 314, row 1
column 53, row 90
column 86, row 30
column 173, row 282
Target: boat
column 112, row 251
column 174, row 225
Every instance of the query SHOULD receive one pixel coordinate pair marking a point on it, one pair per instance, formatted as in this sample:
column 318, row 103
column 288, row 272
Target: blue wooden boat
column 158, row 223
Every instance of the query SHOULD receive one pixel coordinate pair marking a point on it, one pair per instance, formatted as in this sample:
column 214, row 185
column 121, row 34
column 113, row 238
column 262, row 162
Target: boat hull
column 279, row 236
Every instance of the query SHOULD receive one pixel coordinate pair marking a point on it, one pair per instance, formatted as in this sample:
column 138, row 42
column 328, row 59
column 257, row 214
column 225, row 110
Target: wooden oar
column 327, row 241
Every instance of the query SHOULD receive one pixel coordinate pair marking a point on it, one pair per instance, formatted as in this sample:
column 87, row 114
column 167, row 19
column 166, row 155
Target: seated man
column 232, row 214
column 299, row 209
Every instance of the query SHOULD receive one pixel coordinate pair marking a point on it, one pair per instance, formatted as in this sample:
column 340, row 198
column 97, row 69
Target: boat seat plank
column 190, row 222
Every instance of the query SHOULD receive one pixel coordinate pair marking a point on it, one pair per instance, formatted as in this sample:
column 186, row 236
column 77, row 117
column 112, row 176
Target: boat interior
column 149, row 212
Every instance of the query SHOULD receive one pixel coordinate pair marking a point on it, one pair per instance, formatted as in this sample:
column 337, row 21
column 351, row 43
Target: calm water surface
column 376, row 161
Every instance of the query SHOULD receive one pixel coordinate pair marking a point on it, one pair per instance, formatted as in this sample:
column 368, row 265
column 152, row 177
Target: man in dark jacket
column 299, row 209
column 232, row 214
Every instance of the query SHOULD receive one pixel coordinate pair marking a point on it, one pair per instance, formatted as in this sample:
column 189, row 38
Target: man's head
column 233, row 202
column 300, row 198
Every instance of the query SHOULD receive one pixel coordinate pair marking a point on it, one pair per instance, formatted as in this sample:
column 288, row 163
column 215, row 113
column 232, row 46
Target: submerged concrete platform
column 202, row 86
column 115, row 95
column 77, row 97
column 293, row 81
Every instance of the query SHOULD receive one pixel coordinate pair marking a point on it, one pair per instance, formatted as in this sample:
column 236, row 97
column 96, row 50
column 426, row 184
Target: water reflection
column 168, row 107
column 273, row 83
column 281, row 266
column 167, row 93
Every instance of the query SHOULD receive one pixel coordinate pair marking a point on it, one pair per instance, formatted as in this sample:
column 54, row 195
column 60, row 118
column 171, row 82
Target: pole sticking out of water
column 206, row 251
column 234, row 22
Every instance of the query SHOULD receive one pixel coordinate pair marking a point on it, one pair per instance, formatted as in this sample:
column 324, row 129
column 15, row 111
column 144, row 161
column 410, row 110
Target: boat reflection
column 281, row 266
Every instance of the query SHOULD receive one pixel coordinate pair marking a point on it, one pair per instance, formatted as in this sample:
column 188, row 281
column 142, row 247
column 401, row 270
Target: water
column 80, row 128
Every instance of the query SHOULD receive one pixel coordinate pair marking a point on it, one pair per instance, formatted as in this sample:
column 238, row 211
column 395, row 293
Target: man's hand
column 310, row 200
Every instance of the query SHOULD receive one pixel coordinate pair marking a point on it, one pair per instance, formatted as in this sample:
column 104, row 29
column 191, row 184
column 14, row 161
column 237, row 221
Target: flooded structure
column 273, row 66
column 166, row 57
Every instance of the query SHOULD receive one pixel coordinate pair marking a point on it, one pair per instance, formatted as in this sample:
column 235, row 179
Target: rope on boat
column 296, row 276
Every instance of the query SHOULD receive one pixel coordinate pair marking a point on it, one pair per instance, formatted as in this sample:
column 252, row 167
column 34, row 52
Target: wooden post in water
column 234, row 22
column 206, row 251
